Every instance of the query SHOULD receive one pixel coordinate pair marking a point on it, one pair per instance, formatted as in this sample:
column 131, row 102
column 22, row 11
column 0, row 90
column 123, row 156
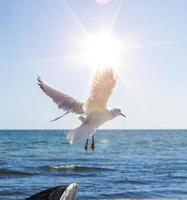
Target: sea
column 126, row 164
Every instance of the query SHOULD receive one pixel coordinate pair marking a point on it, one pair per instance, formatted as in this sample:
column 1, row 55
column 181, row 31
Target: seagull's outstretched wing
column 63, row 101
column 103, row 84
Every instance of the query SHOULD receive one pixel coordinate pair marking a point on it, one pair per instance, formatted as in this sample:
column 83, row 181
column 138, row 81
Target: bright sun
column 101, row 50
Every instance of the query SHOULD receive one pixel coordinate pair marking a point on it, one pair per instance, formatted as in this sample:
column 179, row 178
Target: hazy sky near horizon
column 40, row 38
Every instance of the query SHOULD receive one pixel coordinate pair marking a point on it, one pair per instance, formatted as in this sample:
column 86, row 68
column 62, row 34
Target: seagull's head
column 116, row 112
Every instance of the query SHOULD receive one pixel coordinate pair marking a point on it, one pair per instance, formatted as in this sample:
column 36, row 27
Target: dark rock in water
column 57, row 193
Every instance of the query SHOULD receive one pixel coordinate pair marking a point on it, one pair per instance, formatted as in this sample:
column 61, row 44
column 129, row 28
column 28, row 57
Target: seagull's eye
column 117, row 110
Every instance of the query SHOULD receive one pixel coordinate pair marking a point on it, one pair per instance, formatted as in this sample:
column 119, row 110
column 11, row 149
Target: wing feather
column 104, row 82
column 63, row 101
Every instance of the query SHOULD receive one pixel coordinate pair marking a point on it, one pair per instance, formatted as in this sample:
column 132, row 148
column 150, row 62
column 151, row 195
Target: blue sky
column 40, row 37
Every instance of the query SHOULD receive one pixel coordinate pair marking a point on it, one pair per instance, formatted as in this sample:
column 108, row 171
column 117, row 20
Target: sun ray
column 75, row 17
column 156, row 44
column 125, row 84
column 116, row 16
column 44, row 60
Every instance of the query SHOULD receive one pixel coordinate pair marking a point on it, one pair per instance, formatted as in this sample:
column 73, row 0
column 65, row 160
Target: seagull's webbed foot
column 93, row 144
column 86, row 145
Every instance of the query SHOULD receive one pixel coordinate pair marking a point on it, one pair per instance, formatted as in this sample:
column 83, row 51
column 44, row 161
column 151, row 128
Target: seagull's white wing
column 63, row 101
column 103, row 84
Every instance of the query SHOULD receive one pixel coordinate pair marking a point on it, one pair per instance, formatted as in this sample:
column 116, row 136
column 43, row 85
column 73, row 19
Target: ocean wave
column 74, row 168
column 4, row 171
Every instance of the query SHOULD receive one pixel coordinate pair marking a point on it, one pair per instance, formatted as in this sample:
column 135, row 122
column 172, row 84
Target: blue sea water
column 125, row 164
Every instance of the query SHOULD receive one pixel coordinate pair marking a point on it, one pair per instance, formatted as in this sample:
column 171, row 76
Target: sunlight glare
column 103, row 2
column 101, row 50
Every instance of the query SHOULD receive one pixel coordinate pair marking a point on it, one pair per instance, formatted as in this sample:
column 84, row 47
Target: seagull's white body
column 89, row 126
column 93, row 113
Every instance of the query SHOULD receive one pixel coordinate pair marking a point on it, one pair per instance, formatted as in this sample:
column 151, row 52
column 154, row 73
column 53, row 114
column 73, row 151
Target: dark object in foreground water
column 57, row 193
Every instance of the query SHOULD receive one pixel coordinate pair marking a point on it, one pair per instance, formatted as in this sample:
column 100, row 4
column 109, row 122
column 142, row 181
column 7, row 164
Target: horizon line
column 115, row 129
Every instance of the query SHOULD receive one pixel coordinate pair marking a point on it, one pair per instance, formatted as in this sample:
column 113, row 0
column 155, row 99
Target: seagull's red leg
column 93, row 143
column 86, row 145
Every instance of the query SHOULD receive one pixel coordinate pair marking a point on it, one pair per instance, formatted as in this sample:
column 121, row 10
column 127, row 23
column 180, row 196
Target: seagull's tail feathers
column 82, row 132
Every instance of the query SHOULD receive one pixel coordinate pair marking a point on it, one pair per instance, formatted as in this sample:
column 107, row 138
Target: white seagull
column 92, row 113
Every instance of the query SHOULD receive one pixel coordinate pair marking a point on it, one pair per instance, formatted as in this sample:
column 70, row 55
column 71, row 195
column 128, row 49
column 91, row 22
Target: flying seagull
column 92, row 113
column 57, row 193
